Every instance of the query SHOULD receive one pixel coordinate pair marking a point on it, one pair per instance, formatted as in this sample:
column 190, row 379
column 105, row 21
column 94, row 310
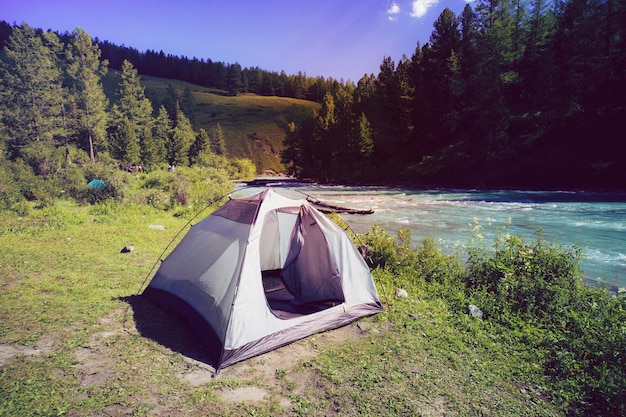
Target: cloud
column 420, row 7
column 393, row 11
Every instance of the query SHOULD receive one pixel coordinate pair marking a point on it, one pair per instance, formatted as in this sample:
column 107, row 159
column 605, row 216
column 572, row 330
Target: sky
column 342, row 39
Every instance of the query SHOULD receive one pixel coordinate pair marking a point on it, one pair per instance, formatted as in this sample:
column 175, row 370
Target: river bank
column 594, row 220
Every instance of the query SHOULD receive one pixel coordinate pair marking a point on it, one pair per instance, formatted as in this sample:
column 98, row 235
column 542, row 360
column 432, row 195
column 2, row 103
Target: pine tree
column 443, row 88
column 364, row 144
column 181, row 140
column 199, row 146
column 391, row 119
column 233, row 79
column 218, row 144
column 32, row 96
column 132, row 109
column 124, row 143
column 188, row 105
column 149, row 150
column 161, row 134
column 290, row 154
column 133, row 102
column 170, row 100
column 84, row 70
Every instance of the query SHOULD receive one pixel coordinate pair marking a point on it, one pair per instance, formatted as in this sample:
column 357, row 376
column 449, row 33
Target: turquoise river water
column 594, row 220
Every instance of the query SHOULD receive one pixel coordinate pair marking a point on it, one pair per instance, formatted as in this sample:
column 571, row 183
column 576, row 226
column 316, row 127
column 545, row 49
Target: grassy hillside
column 254, row 126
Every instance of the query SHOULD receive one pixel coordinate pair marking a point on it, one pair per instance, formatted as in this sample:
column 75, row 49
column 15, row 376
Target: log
column 329, row 208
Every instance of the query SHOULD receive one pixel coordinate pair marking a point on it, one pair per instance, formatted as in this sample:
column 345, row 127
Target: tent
column 261, row 272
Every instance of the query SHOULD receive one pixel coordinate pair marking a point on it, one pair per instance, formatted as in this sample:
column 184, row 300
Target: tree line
column 51, row 96
column 229, row 78
column 509, row 93
column 233, row 79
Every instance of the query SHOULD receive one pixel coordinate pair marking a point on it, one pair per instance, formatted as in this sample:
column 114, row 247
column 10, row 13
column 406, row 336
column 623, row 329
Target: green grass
column 70, row 314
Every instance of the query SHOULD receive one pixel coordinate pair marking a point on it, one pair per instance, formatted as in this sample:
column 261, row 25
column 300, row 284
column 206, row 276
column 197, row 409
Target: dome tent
column 261, row 272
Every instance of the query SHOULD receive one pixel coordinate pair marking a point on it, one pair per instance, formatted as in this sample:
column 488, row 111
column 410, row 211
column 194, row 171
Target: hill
column 253, row 126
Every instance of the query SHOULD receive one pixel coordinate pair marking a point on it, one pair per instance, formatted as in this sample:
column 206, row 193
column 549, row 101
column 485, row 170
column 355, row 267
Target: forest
column 510, row 93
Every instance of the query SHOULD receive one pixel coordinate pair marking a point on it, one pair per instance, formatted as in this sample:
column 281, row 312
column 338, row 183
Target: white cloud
column 393, row 11
column 420, row 7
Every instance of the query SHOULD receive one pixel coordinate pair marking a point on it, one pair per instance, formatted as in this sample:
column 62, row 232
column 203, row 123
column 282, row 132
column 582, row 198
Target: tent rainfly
column 261, row 272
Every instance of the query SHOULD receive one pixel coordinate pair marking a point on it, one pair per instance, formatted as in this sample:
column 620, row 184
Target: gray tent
column 261, row 272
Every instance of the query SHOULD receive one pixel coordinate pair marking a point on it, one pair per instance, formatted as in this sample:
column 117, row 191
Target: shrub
column 536, row 290
column 115, row 180
column 535, row 279
column 32, row 187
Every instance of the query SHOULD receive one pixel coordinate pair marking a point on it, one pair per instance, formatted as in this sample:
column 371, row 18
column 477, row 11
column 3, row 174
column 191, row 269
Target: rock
column 127, row 249
column 475, row 311
column 401, row 293
column 364, row 326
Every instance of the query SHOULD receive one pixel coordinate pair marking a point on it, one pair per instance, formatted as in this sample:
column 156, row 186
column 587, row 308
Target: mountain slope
column 254, row 126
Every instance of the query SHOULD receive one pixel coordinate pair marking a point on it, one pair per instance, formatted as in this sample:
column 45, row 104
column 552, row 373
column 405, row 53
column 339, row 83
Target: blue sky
column 343, row 39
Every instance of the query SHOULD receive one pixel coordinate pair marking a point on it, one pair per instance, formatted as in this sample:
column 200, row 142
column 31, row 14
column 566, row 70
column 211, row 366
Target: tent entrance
column 283, row 303
column 300, row 275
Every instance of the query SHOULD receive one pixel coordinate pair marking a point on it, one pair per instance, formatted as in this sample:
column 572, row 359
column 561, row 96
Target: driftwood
column 329, row 208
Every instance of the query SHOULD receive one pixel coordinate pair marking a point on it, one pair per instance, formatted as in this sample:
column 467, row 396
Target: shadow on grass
column 168, row 330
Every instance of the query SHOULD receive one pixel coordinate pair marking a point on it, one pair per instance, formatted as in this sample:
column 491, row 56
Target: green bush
column 536, row 290
column 382, row 249
column 30, row 186
column 42, row 157
column 535, row 279
column 116, row 183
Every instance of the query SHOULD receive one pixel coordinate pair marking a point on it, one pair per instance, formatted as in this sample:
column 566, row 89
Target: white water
column 595, row 221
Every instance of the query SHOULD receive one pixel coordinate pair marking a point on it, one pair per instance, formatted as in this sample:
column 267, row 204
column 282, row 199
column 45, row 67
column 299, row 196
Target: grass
column 84, row 345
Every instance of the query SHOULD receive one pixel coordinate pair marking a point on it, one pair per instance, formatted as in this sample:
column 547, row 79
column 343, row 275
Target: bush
column 29, row 186
column 536, row 290
column 115, row 180
column 535, row 279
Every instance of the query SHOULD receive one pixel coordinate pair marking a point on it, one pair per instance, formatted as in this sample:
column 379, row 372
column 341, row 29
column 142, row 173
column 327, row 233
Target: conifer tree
column 290, row 153
column 188, row 105
column 233, row 79
column 218, row 144
column 132, row 109
column 133, row 102
column 124, row 143
column 150, row 152
column 364, row 144
column 84, row 70
column 181, row 140
column 199, row 146
column 32, row 96
column 161, row 134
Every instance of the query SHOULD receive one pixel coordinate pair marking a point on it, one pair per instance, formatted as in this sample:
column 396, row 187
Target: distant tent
column 100, row 185
column 261, row 272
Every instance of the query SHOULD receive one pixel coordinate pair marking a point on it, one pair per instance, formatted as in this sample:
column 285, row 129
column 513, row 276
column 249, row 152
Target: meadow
column 77, row 339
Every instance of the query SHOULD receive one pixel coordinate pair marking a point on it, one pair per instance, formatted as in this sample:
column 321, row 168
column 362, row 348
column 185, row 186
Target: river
column 594, row 220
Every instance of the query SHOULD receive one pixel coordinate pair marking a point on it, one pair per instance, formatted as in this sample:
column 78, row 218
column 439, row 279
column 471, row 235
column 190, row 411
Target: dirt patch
column 272, row 369
column 95, row 366
column 42, row 346
column 244, row 394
